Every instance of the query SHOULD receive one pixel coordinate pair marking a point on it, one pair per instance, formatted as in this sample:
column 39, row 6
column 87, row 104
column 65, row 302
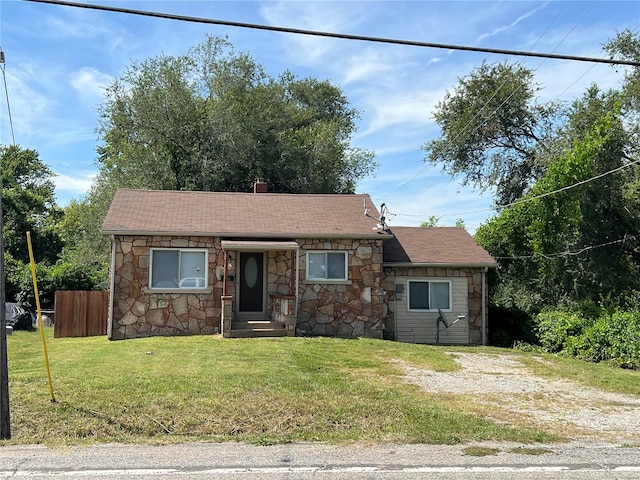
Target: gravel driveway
column 514, row 394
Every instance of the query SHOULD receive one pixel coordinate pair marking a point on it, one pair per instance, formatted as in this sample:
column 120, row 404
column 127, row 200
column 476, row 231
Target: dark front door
column 251, row 282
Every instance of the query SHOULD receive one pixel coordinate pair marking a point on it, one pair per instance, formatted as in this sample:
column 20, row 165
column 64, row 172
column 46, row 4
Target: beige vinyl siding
column 420, row 327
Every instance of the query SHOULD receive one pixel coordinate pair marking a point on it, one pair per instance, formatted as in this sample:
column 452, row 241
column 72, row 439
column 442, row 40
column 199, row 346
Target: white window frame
column 429, row 281
column 325, row 279
column 205, row 282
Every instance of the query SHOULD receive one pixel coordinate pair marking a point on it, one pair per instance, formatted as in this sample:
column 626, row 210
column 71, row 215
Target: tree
column 432, row 221
column 491, row 130
column 558, row 244
column 28, row 201
column 28, row 204
column 213, row 120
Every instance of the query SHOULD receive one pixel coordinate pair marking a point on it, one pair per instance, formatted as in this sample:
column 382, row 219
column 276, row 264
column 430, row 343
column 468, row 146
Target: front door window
column 251, row 282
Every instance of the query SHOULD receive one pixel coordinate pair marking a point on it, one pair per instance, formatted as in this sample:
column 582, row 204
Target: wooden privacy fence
column 80, row 313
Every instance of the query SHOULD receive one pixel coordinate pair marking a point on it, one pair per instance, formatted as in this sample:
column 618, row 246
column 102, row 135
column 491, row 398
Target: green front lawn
column 176, row 389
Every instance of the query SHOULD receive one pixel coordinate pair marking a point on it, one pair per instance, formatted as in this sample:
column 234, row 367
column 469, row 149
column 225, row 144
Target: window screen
column 429, row 295
column 327, row 265
column 178, row 268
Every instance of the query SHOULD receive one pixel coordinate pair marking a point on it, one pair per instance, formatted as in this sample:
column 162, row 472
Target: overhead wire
column 530, row 199
column 343, row 36
column 557, row 255
column 378, row 40
column 501, row 207
column 6, row 92
column 466, row 129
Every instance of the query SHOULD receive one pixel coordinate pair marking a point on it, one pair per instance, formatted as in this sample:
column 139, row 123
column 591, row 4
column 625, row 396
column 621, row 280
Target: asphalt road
column 315, row 461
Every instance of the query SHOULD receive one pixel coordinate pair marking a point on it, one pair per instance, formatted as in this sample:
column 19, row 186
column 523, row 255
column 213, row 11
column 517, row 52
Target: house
column 241, row 264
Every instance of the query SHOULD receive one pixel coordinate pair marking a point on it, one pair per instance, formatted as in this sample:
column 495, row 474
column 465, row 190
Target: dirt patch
column 518, row 396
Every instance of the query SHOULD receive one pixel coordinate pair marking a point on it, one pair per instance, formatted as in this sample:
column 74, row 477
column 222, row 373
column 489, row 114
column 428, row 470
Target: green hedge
column 610, row 337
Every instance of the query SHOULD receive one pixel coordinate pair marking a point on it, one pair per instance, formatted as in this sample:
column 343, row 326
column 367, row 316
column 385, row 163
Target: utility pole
column 5, row 423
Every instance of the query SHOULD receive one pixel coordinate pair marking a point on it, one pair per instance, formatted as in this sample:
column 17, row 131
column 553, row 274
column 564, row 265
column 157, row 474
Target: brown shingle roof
column 266, row 215
column 449, row 246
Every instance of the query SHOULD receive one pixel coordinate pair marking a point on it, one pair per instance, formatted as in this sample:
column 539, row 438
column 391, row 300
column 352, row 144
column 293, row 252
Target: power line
column 6, row 91
column 343, row 36
column 528, row 199
column 557, row 255
column 466, row 129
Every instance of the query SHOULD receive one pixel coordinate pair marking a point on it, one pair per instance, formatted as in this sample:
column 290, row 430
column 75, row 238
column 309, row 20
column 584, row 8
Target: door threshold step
column 252, row 333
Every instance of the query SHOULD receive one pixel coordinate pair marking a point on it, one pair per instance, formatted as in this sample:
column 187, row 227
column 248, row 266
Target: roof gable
column 250, row 215
column 445, row 246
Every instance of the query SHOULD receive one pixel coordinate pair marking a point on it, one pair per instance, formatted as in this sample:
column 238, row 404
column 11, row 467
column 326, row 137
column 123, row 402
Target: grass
column 478, row 451
column 481, row 451
column 263, row 391
column 530, row 451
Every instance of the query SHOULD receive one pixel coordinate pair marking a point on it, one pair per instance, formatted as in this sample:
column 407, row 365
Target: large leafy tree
column 560, row 244
column 492, row 128
column 214, row 120
column 557, row 242
column 28, row 204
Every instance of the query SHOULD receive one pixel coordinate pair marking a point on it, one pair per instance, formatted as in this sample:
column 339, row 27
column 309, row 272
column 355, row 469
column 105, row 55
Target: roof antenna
column 382, row 221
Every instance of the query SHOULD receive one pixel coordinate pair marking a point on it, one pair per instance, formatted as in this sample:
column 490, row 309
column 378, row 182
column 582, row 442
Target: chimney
column 260, row 186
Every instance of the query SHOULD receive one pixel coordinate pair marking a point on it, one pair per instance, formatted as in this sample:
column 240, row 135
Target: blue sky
column 59, row 59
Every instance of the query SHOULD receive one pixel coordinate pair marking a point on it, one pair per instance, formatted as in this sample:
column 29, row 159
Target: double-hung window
column 178, row 268
column 429, row 295
column 327, row 266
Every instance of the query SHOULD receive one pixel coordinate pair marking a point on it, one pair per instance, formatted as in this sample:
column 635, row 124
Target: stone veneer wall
column 349, row 309
column 474, row 277
column 280, row 272
column 139, row 312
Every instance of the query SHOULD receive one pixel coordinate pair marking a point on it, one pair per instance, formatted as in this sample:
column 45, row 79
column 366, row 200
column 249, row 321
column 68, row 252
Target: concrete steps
column 257, row 328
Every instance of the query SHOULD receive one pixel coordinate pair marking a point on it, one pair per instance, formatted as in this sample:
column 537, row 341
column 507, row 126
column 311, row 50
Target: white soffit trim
column 257, row 245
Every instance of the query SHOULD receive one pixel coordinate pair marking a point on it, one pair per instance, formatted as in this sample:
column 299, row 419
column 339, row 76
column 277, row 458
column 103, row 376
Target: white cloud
column 404, row 108
column 68, row 24
column 504, row 28
column 89, row 83
column 77, row 184
column 445, row 199
column 28, row 102
column 366, row 65
column 338, row 17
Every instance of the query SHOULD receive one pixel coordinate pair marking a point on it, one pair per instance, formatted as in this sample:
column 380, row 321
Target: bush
column 557, row 328
column 61, row 276
column 610, row 337
column 614, row 338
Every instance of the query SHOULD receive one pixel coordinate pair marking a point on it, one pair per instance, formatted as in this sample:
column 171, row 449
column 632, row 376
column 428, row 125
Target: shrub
column 557, row 328
column 610, row 337
column 614, row 338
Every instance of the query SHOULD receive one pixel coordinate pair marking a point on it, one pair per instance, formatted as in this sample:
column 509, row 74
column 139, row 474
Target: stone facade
column 352, row 308
column 474, row 279
column 138, row 312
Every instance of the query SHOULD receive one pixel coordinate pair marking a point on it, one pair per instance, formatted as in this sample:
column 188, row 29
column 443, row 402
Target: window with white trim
column 429, row 295
column 329, row 265
column 178, row 268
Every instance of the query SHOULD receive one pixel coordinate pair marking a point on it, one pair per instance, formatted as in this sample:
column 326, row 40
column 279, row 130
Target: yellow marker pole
column 35, row 289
